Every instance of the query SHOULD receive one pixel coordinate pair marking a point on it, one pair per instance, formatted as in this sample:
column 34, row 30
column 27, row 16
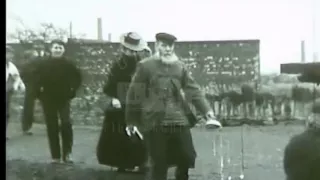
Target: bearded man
column 155, row 109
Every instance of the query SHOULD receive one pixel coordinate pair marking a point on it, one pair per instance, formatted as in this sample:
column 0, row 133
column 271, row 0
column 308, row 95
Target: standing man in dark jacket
column 29, row 77
column 58, row 83
column 161, row 118
column 115, row 148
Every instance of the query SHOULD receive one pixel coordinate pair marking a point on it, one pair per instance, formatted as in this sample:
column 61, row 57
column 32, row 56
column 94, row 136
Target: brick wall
column 220, row 62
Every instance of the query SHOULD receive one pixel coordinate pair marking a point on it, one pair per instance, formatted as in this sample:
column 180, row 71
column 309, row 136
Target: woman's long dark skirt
column 115, row 148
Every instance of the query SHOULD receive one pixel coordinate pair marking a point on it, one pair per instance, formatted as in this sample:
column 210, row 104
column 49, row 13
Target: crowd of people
column 146, row 124
column 245, row 102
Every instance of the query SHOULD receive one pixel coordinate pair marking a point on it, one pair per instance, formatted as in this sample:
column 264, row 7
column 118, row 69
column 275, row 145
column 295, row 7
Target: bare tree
column 45, row 33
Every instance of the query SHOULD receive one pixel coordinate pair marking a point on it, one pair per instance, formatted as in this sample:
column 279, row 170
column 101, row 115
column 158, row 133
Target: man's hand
column 131, row 130
column 210, row 115
column 115, row 103
column 212, row 121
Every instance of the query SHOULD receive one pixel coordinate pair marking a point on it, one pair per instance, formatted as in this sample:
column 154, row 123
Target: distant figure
column 248, row 98
column 302, row 154
column 59, row 80
column 300, row 96
column 13, row 80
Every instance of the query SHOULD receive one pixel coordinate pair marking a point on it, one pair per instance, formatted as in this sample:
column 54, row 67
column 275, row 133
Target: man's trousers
column 170, row 146
column 28, row 108
column 54, row 111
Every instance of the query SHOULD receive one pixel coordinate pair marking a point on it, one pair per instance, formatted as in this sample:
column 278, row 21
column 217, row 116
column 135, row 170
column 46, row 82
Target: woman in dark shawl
column 115, row 148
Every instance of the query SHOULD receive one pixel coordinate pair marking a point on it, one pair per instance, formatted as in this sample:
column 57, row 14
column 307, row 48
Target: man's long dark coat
column 147, row 108
column 115, row 148
column 30, row 77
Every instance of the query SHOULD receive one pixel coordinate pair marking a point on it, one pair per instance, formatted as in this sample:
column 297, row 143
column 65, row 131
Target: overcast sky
column 279, row 25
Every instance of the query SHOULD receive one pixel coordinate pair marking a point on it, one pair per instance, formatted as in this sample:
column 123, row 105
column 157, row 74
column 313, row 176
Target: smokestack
column 303, row 56
column 109, row 37
column 100, row 29
column 70, row 29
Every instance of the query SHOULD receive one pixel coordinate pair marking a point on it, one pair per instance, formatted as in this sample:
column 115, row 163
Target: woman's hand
column 131, row 130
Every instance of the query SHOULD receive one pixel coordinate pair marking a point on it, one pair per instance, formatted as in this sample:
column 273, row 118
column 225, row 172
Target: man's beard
column 168, row 59
column 54, row 55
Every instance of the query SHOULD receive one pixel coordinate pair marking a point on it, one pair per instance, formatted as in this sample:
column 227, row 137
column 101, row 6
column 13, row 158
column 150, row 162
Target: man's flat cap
column 165, row 37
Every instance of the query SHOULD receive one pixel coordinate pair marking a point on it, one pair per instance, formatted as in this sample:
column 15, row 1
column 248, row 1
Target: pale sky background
column 279, row 24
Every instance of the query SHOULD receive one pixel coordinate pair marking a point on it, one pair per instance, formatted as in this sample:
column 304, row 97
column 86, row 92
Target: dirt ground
column 28, row 156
